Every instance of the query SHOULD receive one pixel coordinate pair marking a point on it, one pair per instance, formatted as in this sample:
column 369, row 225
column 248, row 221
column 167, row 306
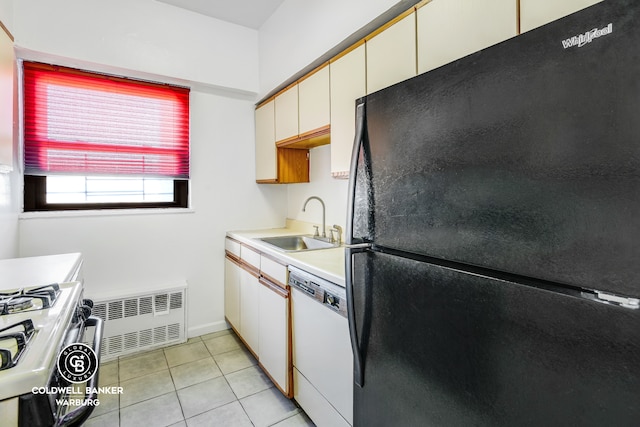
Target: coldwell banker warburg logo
column 583, row 39
column 77, row 363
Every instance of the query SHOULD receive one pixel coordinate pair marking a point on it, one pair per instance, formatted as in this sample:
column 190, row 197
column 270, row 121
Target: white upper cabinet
column 287, row 114
column 348, row 83
column 391, row 54
column 451, row 29
column 266, row 153
column 313, row 96
column 534, row 13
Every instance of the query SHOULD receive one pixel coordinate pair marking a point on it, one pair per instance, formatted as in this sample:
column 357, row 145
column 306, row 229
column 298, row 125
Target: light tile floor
column 210, row 380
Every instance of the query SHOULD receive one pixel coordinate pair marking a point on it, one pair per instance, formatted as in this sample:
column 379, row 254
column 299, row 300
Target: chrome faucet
column 324, row 233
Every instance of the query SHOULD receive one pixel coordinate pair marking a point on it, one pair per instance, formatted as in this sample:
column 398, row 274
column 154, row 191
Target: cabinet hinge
column 633, row 303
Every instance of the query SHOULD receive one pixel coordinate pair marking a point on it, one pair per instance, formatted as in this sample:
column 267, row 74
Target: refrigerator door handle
column 355, row 155
column 358, row 362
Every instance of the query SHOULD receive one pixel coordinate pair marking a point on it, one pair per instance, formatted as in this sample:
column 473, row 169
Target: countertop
column 325, row 263
column 38, row 271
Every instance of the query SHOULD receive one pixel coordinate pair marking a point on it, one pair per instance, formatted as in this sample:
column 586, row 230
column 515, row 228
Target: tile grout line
column 175, row 389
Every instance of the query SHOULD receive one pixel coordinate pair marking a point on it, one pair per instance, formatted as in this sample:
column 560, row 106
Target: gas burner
column 13, row 341
column 29, row 299
column 15, row 304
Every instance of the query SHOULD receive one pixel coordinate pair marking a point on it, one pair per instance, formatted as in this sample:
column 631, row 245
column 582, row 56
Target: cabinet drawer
column 232, row 246
column 250, row 256
column 274, row 270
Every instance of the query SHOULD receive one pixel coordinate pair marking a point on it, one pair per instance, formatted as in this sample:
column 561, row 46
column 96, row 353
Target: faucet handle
column 331, row 238
column 316, row 233
column 338, row 231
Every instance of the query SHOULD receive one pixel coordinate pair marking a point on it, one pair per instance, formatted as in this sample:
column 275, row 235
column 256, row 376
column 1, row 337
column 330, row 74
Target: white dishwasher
column 322, row 357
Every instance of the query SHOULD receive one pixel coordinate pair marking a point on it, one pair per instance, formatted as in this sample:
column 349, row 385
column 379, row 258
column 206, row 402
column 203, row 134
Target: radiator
column 140, row 322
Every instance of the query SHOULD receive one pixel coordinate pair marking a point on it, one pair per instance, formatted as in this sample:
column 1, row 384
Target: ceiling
column 248, row 13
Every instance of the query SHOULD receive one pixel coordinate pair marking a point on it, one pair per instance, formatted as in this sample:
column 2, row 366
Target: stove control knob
column 84, row 312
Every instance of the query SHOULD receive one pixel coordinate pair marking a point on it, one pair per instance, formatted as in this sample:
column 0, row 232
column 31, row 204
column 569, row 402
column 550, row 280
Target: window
column 93, row 141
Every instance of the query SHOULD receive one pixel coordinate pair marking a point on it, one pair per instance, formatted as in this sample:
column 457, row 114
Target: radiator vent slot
column 145, row 305
column 142, row 322
column 130, row 308
column 115, row 310
column 176, row 301
column 161, row 303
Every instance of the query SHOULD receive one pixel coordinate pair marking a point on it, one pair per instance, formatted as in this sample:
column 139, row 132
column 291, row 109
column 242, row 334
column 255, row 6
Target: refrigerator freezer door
column 446, row 348
column 524, row 157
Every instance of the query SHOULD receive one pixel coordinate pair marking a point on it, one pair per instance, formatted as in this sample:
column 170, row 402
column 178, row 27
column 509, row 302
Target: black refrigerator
column 493, row 234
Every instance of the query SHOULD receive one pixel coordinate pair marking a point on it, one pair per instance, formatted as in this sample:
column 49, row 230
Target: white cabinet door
column 313, row 96
column 348, row 83
column 250, row 311
column 232, row 293
column 287, row 114
column 534, row 13
column 274, row 334
column 451, row 29
column 266, row 153
column 391, row 54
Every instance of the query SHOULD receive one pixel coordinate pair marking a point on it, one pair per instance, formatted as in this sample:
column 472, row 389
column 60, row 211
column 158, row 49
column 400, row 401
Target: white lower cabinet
column 274, row 334
column 257, row 306
column 250, row 311
column 232, row 292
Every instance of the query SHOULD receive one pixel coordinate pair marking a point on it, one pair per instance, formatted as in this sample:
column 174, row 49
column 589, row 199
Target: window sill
column 104, row 212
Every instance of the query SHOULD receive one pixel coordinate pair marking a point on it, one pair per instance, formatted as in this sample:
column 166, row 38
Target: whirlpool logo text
column 583, row 39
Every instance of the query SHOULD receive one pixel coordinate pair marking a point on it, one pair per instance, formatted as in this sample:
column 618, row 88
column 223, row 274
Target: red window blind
column 77, row 122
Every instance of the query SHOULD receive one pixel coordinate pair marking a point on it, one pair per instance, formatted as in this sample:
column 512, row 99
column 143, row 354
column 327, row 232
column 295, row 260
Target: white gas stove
column 42, row 312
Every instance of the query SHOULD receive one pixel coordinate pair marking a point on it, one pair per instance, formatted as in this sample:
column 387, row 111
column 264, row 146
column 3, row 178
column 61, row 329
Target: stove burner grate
column 16, row 335
column 23, row 299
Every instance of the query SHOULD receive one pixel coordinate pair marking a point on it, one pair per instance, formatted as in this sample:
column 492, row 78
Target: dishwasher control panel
column 324, row 292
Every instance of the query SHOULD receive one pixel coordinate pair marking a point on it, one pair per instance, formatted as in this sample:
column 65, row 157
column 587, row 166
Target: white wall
column 129, row 252
column 6, row 13
column 141, row 35
column 332, row 191
column 300, row 31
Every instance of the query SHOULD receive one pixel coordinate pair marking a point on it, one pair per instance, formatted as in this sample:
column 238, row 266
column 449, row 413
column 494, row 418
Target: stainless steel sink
column 297, row 243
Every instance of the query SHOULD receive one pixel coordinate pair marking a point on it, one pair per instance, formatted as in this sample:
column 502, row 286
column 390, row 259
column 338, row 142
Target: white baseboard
column 207, row 328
